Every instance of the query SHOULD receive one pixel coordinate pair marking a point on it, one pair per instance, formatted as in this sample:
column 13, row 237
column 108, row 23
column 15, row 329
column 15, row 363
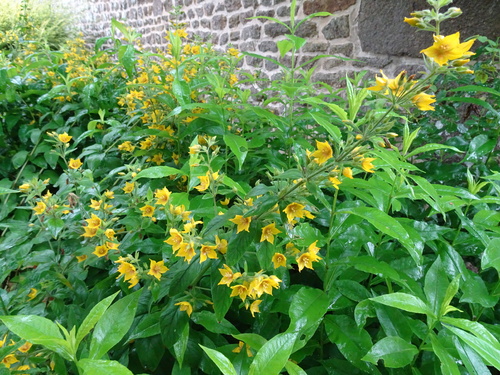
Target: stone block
column 342, row 49
column 266, row 3
column 410, row 69
column 315, row 47
column 219, row 22
column 195, row 24
column 232, row 5
column 190, row 13
column 205, row 23
column 274, row 29
column 253, row 61
column 249, row 3
column 307, row 29
column 268, row 46
column 199, row 11
column 234, row 21
column 224, row 39
column 283, row 11
column 265, row 13
column 251, row 32
column 372, row 62
column 270, row 66
column 244, row 16
column 234, row 35
column 209, row 9
column 247, row 46
column 313, row 6
column 188, row 2
column 331, row 63
column 337, row 28
column 336, row 80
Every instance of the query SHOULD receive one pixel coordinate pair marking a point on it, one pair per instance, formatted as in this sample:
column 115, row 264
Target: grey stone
column 268, row 46
column 315, row 47
column 332, row 63
column 342, row 49
column 308, row 64
column 410, row 69
column 266, row 3
column 205, row 23
column 253, row 61
column 220, row 8
column 244, row 16
column 199, row 11
column 336, row 80
column 265, row 13
column 283, row 11
column 270, row 66
column 187, row 2
column 251, row 32
column 372, row 62
column 224, row 39
column 234, row 21
column 274, row 29
column 195, row 24
column 235, row 35
column 209, row 9
column 232, row 5
column 390, row 35
column 337, row 28
column 307, row 29
column 247, row 46
column 249, row 3
column 313, row 6
column 219, row 22
column 190, row 13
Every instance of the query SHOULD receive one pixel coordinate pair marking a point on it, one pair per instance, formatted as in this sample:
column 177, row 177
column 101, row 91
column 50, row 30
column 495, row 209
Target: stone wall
column 370, row 31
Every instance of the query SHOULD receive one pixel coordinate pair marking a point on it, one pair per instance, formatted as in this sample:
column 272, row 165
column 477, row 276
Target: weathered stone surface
column 190, row 14
column 315, row 47
column 274, row 29
column 313, row 6
column 234, row 20
column 373, row 62
column 205, row 23
column 331, row 63
column 224, row 39
column 307, row 29
column 270, row 66
column 265, row 13
column 199, row 11
column 188, row 2
column 219, row 22
column 235, row 35
column 335, row 80
column 342, row 49
column 249, row 3
column 283, row 11
column 410, row 69
column 209, row 9
column 253, row 61
column 337, row 28
column 266, row 3
column 245, row 16
column 157, row 7
column 390, row 35
column 268, row 46
column 232, row 5
column 251, row 32
column 195, row 24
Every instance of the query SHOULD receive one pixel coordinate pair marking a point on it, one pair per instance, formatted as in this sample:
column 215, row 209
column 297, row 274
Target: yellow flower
column 239, row 290
column 94, row 221
column 129, row 187
column 312, row 248
column 254, row 307
column 127, row 270
column 96, row 205
column 279, row 260
column 306, row 259
column 268, row 233
column 9, row 360
column 243, row 223
column 162, row 196
column 181, row 33
column 89, row 232
column 225, row 202
column 25, row 347
column 126, row 146
column 207, row 252
column 367, row 165
column 347, row 172
column 228, row 276
column 294, row 210
column 261, row 285
column 204, row 183
column 186, row 251
column 185, row 306
column 81, row 258
column 194, row 149
column 2, row 342
column 233, row 52
column 221, row 245
column 112, row 245
column 100, row 251
column 323, row 152
column 447, row 48
column 39, row 208
column 147, row 211
column 32, row 294
column 24, row 187
column 240, row 346
column 175, row 239
column 74, row 163
column 109, row 194
column 396, row 85
column 423, row 101
column 64, row 137
column 110, row 233
column 133, row 281
column 335, row 181
column 157, row 269
column 158, row 159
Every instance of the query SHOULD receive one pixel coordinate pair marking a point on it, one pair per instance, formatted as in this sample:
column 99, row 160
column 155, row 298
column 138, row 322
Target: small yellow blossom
column 81, row 258
column 414, row 21
column 185, row 306
column 306, row 260
column 100, row 251
column 74, row 163
column 64, row 137
column 204, row 183
column 147, row 211
column 447, row 48
column 109, row 194
column 423, row 101
column 129, row 187
column 254, row 307
column 175, row 239
column 94, row 221
column 279, row 260
column 347, row 172
column 228, row 276
column 89, row 232
column 162, row 196
column 96, row 205
column 207, row 251
column 9, row 360
column 186, row 251
column 225, row 202
column 239, row 290
column 181, row 33
column 24, row 187
column 323, row 152
column 335, row 182
column 243, row 223
column 240, row 346
column 25, row 347
column 221, row 245
column 110, row 233
column 367, row 165
column 32, row 294
column 233, row 52
column 157, row 269
column 294, row 210
column 268, row 233
column 126, row 146
column 40, row 208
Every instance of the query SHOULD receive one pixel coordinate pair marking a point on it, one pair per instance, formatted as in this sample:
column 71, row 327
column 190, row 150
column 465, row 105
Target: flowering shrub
column 238, row 240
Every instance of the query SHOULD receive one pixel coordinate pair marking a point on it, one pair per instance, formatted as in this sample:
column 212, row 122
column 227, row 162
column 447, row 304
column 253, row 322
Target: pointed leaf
column 273, row 355
column 448, row 364
column 100, row 367
column 406, row 302
column 393, row 350
column 222, row 362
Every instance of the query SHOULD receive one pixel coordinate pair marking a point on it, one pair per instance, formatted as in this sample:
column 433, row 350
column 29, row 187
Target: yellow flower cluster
column 11, row 359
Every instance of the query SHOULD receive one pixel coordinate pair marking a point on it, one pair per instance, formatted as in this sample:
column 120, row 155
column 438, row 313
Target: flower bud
column 454, row 12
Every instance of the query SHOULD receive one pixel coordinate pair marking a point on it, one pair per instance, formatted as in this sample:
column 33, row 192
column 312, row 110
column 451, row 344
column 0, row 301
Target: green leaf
column 294, row 369
column 4, row 191
column 388, row 226
column 253, row 340
column 126, row 57
column 180, row 345
column 471, row 360
column 431, row 147
column 113, row 325
column 490, row 353
column 273, row 355
column 393, row 350
column 477, row 88
column 448, row 364
column 222, row 362
column 19, row 158
column 491, row 255
column 147, row 327
column 100, row 367
column 226, row 180
column 208, row 320
column 451, row 291
column 284, row 46
column 41, row 331
column 93, row 317
column 435, row 286
column 328, row 126
column 474, row 327
column 406, row 302
column 239, row 146
column 158, row 172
